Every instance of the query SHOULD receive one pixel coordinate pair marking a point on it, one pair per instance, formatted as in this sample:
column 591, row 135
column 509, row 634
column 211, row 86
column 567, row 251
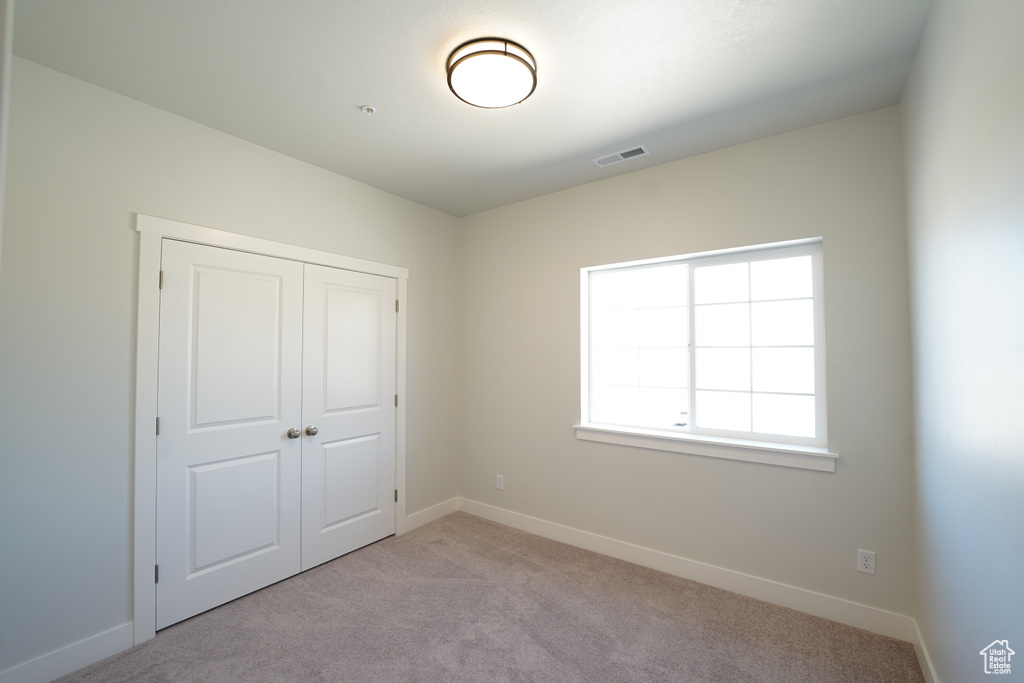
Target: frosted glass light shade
column 492, row 73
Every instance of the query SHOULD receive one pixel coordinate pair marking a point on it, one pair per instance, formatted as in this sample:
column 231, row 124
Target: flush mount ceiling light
column 492, row 73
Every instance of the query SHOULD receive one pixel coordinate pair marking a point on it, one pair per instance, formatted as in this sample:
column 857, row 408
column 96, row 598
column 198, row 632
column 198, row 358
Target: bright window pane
column 615, row 366
column 663, row 408
column 613, row 329
column 722, row 325
column 664, row 367
column 723, row 369
column 662, row 327
column 783, row 370
column 612, row 290
column 662, row 286
column 720, row 284
column 723, row 410
column 782, row 323
column 786, row 278
column 752, row 338
column 614, row 405
column 783, row 414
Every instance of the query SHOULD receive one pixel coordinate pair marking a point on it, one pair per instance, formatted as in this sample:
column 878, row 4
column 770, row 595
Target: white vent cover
column 631, row 153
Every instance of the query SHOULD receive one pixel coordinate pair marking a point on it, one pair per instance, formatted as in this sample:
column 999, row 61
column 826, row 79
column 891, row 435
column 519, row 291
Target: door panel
column 352, row 332
column 237, row 365
column 228, row 478
column 348, row 468
column 351, row 473
column 236, row 505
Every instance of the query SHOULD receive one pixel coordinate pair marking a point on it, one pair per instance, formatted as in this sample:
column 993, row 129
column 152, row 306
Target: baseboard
column 95, row 648
column 431, row 513
column 923, row 658
column 90, row 650
column 826, row 606
column 71, row 657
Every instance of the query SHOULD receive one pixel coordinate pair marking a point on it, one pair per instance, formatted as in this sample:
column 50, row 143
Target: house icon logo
column 997, row 657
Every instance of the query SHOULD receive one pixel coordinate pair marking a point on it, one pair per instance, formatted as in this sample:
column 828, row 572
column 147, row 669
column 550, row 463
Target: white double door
column 276, row 444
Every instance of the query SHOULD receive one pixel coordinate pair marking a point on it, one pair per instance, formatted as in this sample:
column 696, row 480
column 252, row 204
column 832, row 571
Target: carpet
column 465, row 599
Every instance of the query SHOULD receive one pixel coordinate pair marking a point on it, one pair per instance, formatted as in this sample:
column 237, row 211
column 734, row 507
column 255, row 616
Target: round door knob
column 311, row 430
column 294, row 433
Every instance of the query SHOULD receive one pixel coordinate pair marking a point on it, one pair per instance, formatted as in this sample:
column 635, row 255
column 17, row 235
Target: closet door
column 228, row 475
column 348, row 465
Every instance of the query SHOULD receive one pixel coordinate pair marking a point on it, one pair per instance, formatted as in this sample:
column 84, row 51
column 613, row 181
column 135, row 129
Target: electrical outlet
column 500, row 483
column 866, row 561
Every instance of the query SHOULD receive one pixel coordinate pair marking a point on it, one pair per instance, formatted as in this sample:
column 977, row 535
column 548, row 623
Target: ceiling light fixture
column 492, row 73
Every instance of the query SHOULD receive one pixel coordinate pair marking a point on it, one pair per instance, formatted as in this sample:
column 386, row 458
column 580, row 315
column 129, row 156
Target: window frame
column 801, row 452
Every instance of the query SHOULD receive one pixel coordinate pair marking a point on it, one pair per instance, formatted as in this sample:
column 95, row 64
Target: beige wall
column 519, row 361
column 493, row 344
column 81, row 162
column 6, row 39
column 964, row 119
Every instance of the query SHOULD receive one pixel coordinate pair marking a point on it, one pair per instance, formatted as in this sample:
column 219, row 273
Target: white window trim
column 766, row 452
column 813, row 456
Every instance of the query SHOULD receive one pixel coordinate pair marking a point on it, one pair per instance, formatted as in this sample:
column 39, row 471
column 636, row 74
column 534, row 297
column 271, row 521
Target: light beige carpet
column 464, row 599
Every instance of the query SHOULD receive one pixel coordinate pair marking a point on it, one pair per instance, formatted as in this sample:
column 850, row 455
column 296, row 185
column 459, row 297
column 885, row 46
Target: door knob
column 311, row 430
column 294, row 433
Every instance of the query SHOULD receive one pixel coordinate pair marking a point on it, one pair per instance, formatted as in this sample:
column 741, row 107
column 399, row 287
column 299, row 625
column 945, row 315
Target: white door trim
column 151, row 232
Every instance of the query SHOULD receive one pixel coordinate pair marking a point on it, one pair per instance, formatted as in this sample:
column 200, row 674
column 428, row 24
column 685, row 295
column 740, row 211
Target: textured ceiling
column 680, row 76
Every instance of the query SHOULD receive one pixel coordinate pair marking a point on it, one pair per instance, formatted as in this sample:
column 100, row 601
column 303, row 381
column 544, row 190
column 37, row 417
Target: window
column 719, row 353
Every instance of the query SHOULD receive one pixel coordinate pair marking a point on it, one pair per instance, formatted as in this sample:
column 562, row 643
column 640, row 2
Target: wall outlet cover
column 866, row 561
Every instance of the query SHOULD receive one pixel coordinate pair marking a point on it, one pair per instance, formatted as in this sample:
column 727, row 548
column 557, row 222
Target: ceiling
column 679, row 76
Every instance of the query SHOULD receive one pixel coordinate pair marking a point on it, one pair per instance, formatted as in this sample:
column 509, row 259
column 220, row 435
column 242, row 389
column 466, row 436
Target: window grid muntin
column 644, row 391
column 747, row 255
column 753, row 414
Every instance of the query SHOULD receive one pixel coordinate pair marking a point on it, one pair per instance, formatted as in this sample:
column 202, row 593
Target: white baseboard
column 95, row 648
column 90, row 650
column 431, row 513
column 71, row 657
column 923, row 658
column 837, row 609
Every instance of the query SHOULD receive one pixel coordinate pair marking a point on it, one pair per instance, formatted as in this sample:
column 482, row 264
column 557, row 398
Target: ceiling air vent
column 630, row 153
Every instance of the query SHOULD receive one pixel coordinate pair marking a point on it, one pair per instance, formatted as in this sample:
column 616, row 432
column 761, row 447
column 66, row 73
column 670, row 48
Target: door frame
column 152, row 231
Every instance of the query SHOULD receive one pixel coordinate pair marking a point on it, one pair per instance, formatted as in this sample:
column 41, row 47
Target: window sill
column 785, row 455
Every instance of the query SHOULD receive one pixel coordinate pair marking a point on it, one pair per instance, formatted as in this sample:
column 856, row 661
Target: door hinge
column 396, row 495
column 158, row 426
column 156, row 573
column 161, row 285
column 396, row 400
column 396, row 305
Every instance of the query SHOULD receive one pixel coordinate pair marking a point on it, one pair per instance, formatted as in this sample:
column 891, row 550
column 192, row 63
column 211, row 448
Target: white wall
column 493, row 345
column 519, row 348
column 81, row 162
column 6, row 41
column 963, row 113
